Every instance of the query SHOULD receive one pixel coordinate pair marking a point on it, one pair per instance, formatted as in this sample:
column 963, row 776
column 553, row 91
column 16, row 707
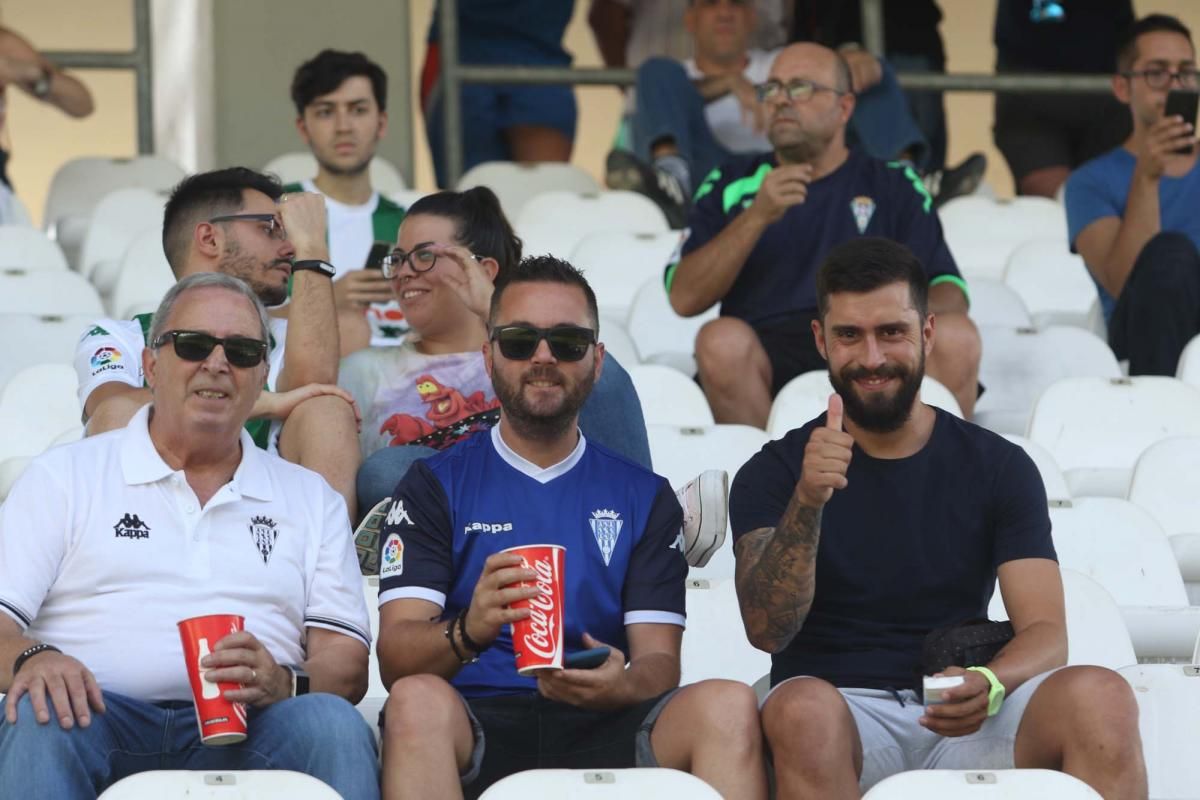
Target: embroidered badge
column 263, row 533
column 863, row 208
column 606, row 527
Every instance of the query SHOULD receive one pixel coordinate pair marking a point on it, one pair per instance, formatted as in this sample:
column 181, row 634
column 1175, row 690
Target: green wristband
column 995, row 693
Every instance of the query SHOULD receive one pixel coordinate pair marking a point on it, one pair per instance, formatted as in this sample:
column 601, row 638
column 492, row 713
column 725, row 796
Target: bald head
column 812, row 62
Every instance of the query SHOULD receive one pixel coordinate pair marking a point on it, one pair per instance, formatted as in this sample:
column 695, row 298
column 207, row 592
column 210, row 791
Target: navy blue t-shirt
column 910, row 545
column 862, row 197
column 619, row 522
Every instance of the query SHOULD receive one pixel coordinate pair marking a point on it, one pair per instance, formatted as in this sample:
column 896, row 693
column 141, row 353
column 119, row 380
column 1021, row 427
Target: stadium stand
column 982, row 233
column 995, row 303
column 578, row 784
column 516, row 184
column 1000, row 784
column 1055, row 285
column 618, row 263
column 117, row 220
column 1057, row 491
column 45, row 339
column 22, row 247
column 669, row 397
column 557, row 221
column 272, row 784
column 144, row 276
column 715, row 643
column 1168, row 698
column 1163, row 485
column 617, row 341
column 47, row 292
column 302, row 166
column 661, row 335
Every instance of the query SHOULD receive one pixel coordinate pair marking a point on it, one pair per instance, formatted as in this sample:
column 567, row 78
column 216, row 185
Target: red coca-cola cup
column 220, row 721
column 538, row 639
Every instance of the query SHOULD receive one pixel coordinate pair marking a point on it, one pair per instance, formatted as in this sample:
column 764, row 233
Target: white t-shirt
column 725, row 118
column 104, row 548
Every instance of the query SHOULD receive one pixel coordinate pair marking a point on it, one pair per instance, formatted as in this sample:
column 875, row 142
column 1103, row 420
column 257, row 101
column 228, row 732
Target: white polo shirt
column 104, row 548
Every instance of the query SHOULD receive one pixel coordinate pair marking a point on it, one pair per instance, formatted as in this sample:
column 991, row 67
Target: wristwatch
column 995, row 693
column 299, row 679
column 316, row 265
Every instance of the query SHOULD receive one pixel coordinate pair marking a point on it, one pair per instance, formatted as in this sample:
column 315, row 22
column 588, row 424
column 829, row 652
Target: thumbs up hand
column 826, row 458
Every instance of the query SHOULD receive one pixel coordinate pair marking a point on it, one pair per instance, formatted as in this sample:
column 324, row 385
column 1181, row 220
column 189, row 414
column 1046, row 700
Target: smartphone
column 587, row 659
column 375, row 256
column 1183, row 103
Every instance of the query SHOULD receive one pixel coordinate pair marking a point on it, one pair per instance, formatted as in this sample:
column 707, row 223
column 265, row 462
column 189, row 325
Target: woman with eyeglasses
column 433, row 390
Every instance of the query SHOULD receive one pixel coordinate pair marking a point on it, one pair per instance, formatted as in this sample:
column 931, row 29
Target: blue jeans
column 611, row 416
column 320, row 735
column 927, row 107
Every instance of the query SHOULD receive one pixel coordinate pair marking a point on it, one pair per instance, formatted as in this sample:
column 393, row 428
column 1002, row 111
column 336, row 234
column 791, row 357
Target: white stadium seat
column 23, row 247
column 44, row 338
column 79, row 184
column 376, row 696
column 1168, row 697
column 1188, row 369
column 118, row 218
column 1057, row 490
column 669, row 397
column 301, row 166
column 144, row 278
column 517, row 183
column 1096, row 428
column 681, row 453
column 47, row 292
column 1019, row 363
column 1096, row 632
column 994, row 303
column 266, row 784
column 662, row 336
column 557, row 221
column 617, row 341
column 1164, row 484
column 714, row 642
column 1055, row 285
column 982, row 233
column 996, row 784
column 617, row 263
column 580, row 784
column 806, row 396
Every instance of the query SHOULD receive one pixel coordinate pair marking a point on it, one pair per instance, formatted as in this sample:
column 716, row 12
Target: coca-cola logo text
column 543, row 635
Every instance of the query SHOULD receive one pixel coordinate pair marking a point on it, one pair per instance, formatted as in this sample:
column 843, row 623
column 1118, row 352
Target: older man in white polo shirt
column 107, row 543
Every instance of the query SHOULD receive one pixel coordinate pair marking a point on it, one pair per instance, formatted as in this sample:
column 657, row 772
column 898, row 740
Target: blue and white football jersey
column 619, row 522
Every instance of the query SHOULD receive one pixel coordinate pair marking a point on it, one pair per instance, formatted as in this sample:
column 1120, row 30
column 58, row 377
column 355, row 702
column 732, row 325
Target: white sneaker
column 705, row 501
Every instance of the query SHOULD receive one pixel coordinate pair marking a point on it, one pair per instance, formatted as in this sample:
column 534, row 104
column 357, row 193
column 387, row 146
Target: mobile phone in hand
column 587, row 659
column 375, row 256
column 1183, row 103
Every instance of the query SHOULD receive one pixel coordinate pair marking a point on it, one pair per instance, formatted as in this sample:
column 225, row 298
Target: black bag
column 969, row 644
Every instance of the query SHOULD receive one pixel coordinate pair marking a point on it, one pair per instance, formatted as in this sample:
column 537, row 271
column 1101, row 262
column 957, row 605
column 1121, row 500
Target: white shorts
column 893, row 741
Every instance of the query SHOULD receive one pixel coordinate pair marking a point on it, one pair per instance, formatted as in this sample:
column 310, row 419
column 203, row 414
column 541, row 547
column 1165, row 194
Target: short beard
column 244, row 267
column 352, row 171
column 888, row 415
column 530, row 424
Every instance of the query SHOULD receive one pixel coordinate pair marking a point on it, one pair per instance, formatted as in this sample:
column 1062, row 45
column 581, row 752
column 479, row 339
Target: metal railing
column 137, row 60
column 454, row 75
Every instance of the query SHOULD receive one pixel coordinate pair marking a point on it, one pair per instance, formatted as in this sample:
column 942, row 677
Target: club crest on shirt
column 391, row 559
column 131, row 526
column 863, row 208
column 262, row 533
column 606, row 527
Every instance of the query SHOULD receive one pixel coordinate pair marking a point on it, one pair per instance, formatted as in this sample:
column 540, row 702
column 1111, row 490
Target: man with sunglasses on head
column 239, row 222
column 1132, row 213
column 762, row 224
column 106, row 544
column 459, row 717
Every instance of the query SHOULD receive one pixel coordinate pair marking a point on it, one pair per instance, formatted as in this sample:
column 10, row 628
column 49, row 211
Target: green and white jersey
column 111, row 350
column 352, row 232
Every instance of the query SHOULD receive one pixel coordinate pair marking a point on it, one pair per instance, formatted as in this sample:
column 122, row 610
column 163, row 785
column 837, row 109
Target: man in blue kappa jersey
column 458, row 716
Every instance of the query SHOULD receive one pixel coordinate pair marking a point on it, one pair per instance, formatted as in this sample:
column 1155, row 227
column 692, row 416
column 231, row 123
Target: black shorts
column 790, row 348
column 514, row 733
column 1035, row 131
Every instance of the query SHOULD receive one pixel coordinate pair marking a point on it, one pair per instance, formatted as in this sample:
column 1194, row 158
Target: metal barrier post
column 872, row 27
column 451, row 94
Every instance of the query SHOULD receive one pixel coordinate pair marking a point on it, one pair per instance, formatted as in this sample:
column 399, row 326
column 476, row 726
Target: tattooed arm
column 776, row 567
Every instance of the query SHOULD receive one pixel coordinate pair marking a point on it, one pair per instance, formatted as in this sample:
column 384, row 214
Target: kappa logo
column 863, row 209
column 391, row 558
column 397, row 514
column 131, row 526
column 487, row 527
column 678, row 544
column 263, row 533
column 606, row 527
column 95, row 331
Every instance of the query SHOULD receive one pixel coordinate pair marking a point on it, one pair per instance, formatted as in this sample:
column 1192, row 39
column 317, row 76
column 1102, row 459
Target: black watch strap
column 29, row 653
column 300, row 681
column 315, row 265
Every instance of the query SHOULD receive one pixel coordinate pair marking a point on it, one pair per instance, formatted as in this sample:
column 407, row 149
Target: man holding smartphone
column 1131, row 213
column 341, row 102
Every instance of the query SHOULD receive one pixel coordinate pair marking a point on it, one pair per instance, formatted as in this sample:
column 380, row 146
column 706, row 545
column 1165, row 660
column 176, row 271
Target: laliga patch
column 105, row 359
column 863, row 209
column 391, row 560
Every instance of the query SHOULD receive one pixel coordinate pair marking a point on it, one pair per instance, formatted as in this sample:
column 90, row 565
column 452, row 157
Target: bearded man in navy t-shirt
column 882, row 520
column 760, row 226
column 459, row 716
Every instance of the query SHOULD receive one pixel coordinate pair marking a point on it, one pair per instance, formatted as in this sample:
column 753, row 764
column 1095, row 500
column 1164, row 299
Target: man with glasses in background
column 107, row 543
column 1132, row 213
column 762, row 224
column 239, row 222
column 459, row 716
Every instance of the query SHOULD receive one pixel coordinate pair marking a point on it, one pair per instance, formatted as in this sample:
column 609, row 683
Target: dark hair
column 866, row 264
column 544, row 269
column 1127, row 51
column 328, row 70
column 200, row 197
column 479, row 223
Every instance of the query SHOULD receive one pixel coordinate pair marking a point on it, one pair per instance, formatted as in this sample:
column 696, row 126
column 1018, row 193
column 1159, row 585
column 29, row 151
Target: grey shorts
column 519, row 732
column 893, row 741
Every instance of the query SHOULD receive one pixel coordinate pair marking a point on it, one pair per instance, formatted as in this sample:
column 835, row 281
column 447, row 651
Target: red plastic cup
column 220, row 721
column 538, row 639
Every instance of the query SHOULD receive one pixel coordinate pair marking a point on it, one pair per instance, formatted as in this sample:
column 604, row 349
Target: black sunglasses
column 520, row 342
column 240, row 351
